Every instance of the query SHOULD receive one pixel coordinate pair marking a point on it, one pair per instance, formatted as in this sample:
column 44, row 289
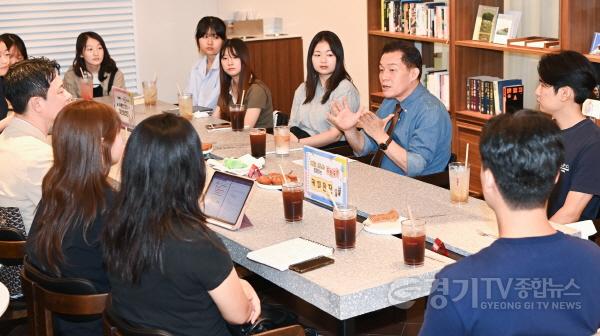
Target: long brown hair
column 73, row 190
column 236, row 48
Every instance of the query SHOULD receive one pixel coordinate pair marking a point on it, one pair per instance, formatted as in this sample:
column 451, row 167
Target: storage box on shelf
column 579, row 19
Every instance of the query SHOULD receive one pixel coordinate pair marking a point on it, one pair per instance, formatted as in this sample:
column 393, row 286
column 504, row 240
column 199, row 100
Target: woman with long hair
column 16, row 47
column 326, row 80
column 64, row 239
column 92, row 56
column 237, row 77
column 167, row 268
column 4, row 64
column 204, row 78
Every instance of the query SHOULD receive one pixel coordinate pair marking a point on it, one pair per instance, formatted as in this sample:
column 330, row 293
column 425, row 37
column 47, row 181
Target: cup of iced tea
column 185, row 106
column 282, row 140
column 459, row 175
column 344, row 223
column 413, row 241
column 258, row 142
column 86, row 86
column 293, row 198
column 237, row 113
column 150, row 92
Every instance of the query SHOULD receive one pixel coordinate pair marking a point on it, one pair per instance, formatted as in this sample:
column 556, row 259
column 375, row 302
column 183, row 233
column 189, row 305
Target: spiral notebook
column 289, row 252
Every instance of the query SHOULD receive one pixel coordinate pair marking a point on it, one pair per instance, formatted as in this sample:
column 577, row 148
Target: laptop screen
column 225, row 197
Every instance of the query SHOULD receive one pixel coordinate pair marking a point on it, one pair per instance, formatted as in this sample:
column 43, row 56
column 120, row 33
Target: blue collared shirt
column 205, row 86
column 423, row 129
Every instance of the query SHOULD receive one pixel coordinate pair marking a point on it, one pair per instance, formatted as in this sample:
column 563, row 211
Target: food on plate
column 206, row 146
column 276, row 178
column 390, row 216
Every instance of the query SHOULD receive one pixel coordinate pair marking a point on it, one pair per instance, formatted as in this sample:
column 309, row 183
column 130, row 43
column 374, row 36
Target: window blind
column 50, row 28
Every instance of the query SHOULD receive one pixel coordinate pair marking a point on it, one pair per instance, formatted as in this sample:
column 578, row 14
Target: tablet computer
column 226, row 199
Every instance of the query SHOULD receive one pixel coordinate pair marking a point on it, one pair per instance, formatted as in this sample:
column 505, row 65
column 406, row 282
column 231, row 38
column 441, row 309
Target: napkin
column 586, row 228
column 198, row 115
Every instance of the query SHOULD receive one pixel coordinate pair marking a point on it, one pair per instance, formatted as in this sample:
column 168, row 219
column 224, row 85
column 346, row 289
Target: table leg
column 346, row 327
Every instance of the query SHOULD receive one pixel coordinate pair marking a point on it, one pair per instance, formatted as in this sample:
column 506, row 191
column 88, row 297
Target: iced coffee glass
column 344, row 223
column 459, row 174
column 282, row 140
column 413, row 241
column 185, row 105
column 293, row 198
column 237, row 113
column 150, row 92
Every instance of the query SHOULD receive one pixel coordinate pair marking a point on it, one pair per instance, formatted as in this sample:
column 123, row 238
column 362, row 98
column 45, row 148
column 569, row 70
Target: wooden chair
column 116, row 326
column 45, row 296
column 12, row 251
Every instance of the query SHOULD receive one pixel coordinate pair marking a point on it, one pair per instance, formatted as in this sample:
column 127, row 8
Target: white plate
column 384, row 228
column 269, row 186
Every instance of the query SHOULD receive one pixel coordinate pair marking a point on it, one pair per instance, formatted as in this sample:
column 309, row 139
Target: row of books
column 438, row 83
column 493, row 95
column 415, row 17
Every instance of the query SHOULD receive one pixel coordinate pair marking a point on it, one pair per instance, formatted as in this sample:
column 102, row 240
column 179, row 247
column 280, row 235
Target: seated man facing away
column 36, row 93
column 533, row 280
column 567, row 79
column 417, row 140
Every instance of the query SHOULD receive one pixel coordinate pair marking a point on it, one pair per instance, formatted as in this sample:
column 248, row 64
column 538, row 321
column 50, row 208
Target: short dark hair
column 569, row 68
column 14, row 40
column 524, row 152
column 411, row 57
column 211, row 22
column 29, row 78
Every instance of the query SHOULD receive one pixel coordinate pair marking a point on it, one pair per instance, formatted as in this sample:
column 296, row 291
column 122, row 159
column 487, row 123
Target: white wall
column 348, row 19
column 165, row 41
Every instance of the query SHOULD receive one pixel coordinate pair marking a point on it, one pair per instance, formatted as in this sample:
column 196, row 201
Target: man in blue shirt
column 419, row 143
column 533, row 280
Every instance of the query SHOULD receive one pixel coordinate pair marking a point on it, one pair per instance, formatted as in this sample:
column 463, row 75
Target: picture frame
column 595, row 48
column 485, row 23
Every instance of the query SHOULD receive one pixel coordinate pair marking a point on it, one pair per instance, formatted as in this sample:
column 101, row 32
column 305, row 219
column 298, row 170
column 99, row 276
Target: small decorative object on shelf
column 485, row 23
column 595, row 48
column 535, row 42
column 507, row 26
column 415, row 17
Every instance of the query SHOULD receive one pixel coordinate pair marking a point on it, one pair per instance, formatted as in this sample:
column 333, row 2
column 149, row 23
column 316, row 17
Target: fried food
column 390, row 216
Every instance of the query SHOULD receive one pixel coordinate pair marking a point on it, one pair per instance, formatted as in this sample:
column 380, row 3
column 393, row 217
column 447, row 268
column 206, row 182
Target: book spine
column 468, row 93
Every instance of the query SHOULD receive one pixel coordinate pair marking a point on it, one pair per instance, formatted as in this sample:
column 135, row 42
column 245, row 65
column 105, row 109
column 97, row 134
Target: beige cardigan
column 71, row 82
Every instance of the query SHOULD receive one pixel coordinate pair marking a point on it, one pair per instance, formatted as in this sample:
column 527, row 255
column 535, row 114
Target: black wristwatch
column 384, row 145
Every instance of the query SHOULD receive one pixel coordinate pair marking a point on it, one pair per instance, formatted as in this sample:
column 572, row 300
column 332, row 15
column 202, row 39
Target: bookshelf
column 578, row 20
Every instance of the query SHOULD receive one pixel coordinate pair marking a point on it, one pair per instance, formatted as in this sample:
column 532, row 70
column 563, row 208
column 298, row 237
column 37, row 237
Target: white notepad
column 289, row 252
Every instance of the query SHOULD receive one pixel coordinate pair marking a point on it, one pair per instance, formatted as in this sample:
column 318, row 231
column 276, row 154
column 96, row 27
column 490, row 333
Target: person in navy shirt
column 533, row 280
column 567, row 79
column 420, row 141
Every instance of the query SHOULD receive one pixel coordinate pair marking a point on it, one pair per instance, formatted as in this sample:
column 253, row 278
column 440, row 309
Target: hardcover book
column 513, row 98
column 485, row 23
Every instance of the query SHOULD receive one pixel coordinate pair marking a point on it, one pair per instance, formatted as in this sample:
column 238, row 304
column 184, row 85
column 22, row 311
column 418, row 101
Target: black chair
column 116, row 326
column 76, row 300
column 440, row 179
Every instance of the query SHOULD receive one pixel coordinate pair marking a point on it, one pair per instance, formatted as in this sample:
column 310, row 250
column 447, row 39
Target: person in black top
column 65, row 234
column 166, row 267
column 567, row 79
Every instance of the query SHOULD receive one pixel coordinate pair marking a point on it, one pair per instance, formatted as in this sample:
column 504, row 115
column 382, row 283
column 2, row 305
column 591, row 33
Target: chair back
column 293, row 330
column 12, row 248
column 116, row 326
column 45, row 295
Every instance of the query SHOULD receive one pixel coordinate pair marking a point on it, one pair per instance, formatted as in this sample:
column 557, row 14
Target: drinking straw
column 243, row 93
column 467, row 156
column 410, row 214
column 178, row 88
column 155, row 78
column 282, row 174
column 332, row 201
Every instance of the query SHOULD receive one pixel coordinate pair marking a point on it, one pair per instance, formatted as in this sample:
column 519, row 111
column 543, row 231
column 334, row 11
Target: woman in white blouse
column 326, row 81
column 204, row 78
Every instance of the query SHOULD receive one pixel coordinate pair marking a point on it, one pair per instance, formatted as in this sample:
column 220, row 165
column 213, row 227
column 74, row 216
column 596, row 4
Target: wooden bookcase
column 578, row 20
